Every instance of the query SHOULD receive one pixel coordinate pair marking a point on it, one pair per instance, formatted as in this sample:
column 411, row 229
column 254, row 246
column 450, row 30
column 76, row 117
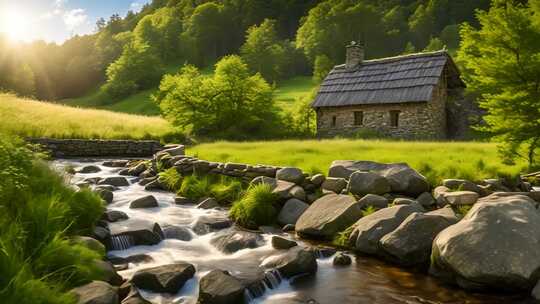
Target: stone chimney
column 355, row 55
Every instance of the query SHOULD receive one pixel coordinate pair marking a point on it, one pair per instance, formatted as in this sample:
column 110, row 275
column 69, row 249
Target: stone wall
column 424, row 120
column 93, row 148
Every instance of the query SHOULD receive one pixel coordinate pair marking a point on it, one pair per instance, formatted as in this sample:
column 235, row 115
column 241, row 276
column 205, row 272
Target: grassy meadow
column 30, row 118
column 436, row 160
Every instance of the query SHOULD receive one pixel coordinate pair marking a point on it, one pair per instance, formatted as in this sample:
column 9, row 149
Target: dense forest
column 277, row 38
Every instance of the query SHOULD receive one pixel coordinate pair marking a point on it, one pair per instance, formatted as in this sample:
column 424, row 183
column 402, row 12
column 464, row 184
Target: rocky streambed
column 167, row 251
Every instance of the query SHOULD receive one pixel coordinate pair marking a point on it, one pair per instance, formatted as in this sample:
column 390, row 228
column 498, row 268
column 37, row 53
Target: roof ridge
column 399, row 57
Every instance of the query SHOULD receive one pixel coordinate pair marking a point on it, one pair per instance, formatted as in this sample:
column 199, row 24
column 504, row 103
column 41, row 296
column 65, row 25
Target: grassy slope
column 290, row 90
column 32, row 118
column 436, row 160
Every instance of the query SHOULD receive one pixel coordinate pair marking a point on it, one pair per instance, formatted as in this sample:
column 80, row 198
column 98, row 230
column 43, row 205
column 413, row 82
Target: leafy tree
column 264, row 52
column 450, row 36
column 435, row 44
column 230, row 104
column 409, row 49
column 323, row 65
column 422, row 22
column 503, row 66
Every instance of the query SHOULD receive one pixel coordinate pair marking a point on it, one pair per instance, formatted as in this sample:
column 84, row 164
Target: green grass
column 290, row 90
column 255, row 208
column 39, row 213
column 436, row 160
column 223, row 189
column 31, row 118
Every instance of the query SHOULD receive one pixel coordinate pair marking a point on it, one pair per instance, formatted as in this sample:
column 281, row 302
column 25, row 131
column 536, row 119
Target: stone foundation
column 60, row 148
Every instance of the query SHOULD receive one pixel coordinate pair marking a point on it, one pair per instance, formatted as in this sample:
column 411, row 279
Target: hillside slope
column 31, row 118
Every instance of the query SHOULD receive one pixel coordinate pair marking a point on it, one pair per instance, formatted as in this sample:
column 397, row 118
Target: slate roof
column 401, row 79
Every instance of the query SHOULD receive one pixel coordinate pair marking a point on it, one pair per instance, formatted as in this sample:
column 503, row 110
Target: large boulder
column 373, row 200
column 294, row 262
column 459, row 198
column 290, row 174
column 402, row 178
column 118, row 181
column 370, row 229
column 177, row 233
column 165, row 278
column 96, row 292
column 334, row 184
column 462, row 185
column 410, row 243
column 291, row 211
column 362, row 183
column 496, row 245
column 105, row 194
column 205, row 224
column 328, row 215
column 148, row 201
column 219, row 287
column 232, row 241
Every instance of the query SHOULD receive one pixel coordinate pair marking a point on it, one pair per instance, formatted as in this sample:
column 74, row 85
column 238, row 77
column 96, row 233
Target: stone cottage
column 404, row 97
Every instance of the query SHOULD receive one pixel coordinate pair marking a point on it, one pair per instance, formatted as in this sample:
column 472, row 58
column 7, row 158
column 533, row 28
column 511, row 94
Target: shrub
column 369, row 210
column 171, row 178
column 223, row 189
column 342, row 238
column 255, row 208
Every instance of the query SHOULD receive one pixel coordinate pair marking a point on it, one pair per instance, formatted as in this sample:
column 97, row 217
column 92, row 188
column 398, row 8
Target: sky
column 58, row 20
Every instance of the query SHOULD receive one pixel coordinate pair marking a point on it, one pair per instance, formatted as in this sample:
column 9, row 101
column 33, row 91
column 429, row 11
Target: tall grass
column 30, row 118
column 38, row 215
column 225, row 190
column 436, row 160
column 256, row 207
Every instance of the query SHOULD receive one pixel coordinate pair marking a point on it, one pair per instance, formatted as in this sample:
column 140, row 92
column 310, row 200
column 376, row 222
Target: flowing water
column 367, row 280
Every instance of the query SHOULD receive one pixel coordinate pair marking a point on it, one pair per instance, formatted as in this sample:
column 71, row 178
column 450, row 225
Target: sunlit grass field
column 30, row 118
column 436, row 160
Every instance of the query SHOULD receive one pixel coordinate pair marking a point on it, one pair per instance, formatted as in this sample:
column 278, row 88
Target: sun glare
column 14, row 24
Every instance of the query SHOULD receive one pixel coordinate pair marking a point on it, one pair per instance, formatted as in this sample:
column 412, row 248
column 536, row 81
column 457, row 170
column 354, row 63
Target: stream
column 367, row 280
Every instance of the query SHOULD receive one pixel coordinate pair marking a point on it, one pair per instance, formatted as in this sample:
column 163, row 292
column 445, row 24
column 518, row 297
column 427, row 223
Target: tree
column 503, row 66
column 230, row 104
column 323, row 65
column 409, row 49
column 435, row 44
column 264, row 52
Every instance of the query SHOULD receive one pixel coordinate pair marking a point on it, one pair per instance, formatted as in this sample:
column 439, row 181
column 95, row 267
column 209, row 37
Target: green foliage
column 171, row 178
column 323, row 65
column 256, row 207
column 435, row 44
column 230, row 104
column 369, row 210
column 342, row 238
column 502, row 64
column 409, row 49
column 39, row 213
column 225, row 190
column 303, row 119
column 463, row 209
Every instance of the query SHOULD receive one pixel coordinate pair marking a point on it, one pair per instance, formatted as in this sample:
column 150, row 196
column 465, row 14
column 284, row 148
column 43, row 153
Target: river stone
column 117, row 163
column 148, row 201
column 371, row 228
column 342, row 259
column 144, row 236
column 108, row 273
column 283, row 189
column 361, row 183
column 232, row 241
column 204, row 224
column 334, row 184
column 208, row 203
column 90, row 243
column 118, row 181
column 290, row 174
column 373, row 200
column 438, row 195
column 96, row 292
column 219, row 287
column 177, row 233
column 89, row 169
column 288, row 228
column 282, row 243
column 495, row 246
column 264, row 180
column 115, row 216
column 294, row 262
column 459, row 198
column 328, row 215
column 180, row 200
column 447, row 212
column 155, row 185
column 175, row 151
column 318, row 179
column 165, row 278
column 462, row 185
column 105, row 195
column 137, row 169
column 410, row 243
column 291, row 211
column 402, row 178
column 426, row 200
column 298, row 193
column 403, row 201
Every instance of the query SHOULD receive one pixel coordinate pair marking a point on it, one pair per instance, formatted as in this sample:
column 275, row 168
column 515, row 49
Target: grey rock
column 334, row 184
column 108, row 273
column 175, row 151
column 137, row 169
column 376, row 201
column 459, row 198
column 204, row 225
column 232, row 241
column 89, row 169
column 410, row 243
column 328, row 215
column 283, row 189
column 371, row 228
column 219, row 287
column 288, row 227
column 90, row 243
column 426, row 200
column 117, row 163
column 362, row 183
column 265, row 180
column 118, row 181
column 96, row 292
column 438, row 195
column 290, row 174
column 282, row 243
column 318, row 179
column 296, row 261
column 447, row 212
column 155, row 185
column 342, row 259
column 208, row 203
column 148, row 201
column 298, row 193
column 494, row 246
column 180, row 200
column 105, row 194
column 463, row 185
column 403, row 201
column 165, row 278
column 291, row 211
column 115, row 216
column 177, row 233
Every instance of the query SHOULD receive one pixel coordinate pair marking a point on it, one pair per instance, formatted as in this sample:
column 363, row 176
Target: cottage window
column 334, row 119
column 394, row 118
column 358, row 118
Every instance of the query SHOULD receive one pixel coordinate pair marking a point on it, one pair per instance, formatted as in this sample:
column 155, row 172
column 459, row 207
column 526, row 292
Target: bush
column 38, row 263
column 225, row 190
column 171, row 178
column 342, row 238
column 255, row 208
